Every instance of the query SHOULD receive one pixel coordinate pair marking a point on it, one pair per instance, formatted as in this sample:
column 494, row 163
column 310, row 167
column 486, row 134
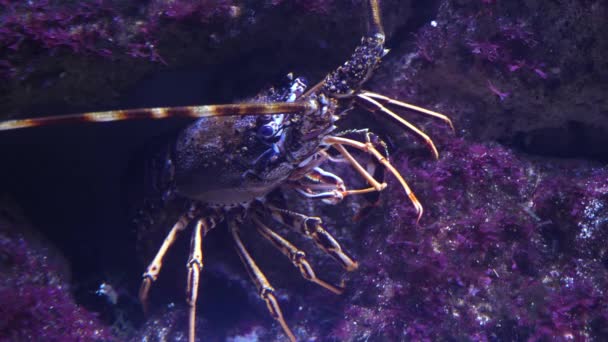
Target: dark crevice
column 575, row 139
column 425, row 12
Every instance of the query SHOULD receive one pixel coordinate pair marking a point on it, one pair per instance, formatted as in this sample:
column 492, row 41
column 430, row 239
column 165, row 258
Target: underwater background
column 513, row 243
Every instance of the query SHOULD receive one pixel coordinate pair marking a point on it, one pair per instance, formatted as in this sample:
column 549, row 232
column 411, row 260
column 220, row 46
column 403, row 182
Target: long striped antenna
column 375, row 20
column 166, row 112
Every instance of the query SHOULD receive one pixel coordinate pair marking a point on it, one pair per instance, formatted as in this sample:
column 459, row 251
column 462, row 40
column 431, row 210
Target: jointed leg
column 297, row 257
column 326, row 186
column 314, row 182
column 360, row 169
column 309, row 164
column 329, row 197
column 320, row 176
column 369, row 147
column 266, row 291
column 153, row 269
column 195, row 264
column 311, row 227
column 374, row 169
column 329, row 187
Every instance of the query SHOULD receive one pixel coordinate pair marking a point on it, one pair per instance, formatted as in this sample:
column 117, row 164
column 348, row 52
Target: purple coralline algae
column 35, row 299
column 513, row 243
column 532, row 71
column 47, row 47
column 508, row 249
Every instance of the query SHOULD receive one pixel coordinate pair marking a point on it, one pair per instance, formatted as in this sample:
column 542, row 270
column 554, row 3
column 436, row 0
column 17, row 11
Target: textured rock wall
column 512, row 244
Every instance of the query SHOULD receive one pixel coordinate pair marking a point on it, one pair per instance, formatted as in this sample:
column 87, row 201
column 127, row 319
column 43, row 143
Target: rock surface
column 36, row 302
column 513, row 241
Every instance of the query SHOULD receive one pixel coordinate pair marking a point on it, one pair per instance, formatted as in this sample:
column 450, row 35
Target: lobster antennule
column 400, row 104
column 195, row 112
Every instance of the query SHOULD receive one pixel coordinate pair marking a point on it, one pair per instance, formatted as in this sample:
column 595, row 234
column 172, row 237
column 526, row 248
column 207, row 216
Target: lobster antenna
column 239, row 109
column 375, row 20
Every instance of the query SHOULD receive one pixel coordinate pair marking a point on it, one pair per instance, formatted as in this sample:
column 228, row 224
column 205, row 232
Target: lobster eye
column 266, row 131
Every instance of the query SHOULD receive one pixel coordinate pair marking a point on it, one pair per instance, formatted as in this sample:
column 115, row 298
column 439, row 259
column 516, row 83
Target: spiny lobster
column 227, row 163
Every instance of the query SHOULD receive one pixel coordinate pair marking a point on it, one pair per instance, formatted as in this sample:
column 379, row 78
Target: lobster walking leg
column 295, row 255
column 195, row 264
column 153, row 269
column 368, row 147
column 326, row 186
column 311, row 228
column 318, row 175
column 329, row 197
column 266, row 290
column 359, row 168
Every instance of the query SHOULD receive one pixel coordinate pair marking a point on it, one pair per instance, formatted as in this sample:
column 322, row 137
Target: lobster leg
column 195, row 264
column 329, row 197
column 359, row 168
column 368, row 147
column 313, row 182
column 153, row 269
column 320, row 176
column 311, row 228
column 297, row 257
column 266, row 291
column 326, row 186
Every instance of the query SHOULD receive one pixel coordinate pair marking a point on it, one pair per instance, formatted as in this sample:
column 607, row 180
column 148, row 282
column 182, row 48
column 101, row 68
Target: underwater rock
column 532, row 74
column 510, row 247
column 35, row 299
column 170, row 324
column 214, row 51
